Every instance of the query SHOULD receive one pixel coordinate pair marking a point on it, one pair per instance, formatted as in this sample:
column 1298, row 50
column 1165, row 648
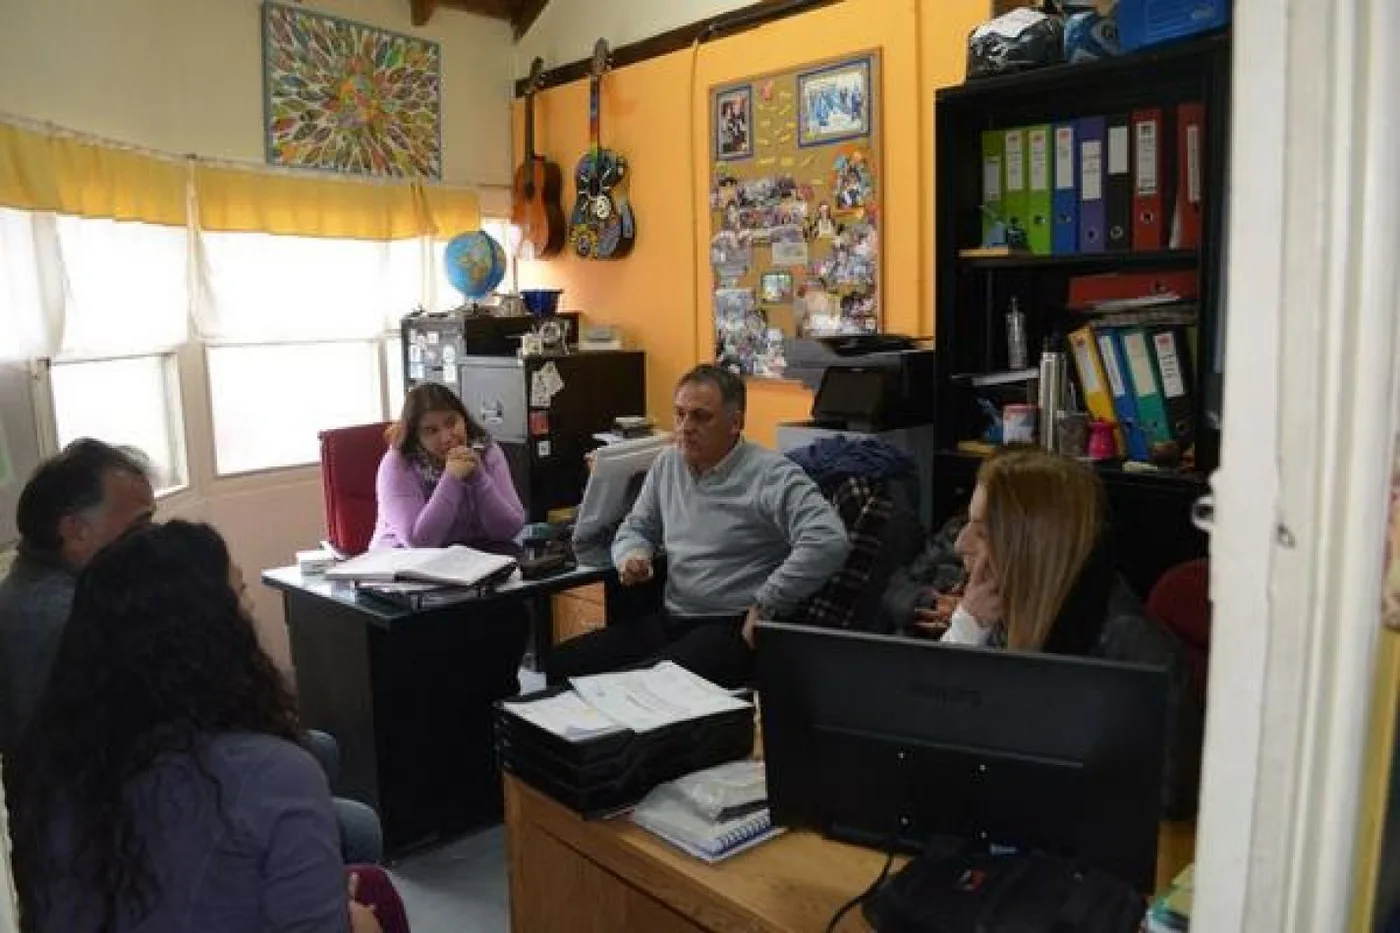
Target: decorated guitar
column 535, row 207
column 602, row 225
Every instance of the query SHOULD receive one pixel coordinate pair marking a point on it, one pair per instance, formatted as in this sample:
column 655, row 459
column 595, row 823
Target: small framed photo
column 734, row 123
column 776, row 287
column 834, row 103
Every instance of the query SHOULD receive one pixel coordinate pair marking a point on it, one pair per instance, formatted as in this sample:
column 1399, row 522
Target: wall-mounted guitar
column 602, row 225
column 535, row 208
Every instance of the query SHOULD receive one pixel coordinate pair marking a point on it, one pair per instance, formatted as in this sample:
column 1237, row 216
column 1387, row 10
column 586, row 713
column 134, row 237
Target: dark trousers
column 712, row 647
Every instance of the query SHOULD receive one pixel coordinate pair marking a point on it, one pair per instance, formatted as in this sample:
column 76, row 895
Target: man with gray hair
column 75, row 504
column 746, row 534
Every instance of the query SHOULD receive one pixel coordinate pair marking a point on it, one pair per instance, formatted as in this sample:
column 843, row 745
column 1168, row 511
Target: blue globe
column 476, row 264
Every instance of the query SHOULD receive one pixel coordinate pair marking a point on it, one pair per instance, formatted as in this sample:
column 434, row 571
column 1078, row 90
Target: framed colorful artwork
column 733, row 122
column 834, row 103
column 347, row 97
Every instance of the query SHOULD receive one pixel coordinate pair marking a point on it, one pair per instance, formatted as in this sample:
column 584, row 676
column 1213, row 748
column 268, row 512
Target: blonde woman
column 1041, row 578
column 1039, row 573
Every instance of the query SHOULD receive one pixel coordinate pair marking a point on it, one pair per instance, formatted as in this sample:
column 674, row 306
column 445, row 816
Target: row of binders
column 1122, row 182
column 1140, row 377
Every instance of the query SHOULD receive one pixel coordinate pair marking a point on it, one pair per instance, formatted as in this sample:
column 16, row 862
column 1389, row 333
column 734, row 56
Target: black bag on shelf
column 1014, row 42
column 962, row 888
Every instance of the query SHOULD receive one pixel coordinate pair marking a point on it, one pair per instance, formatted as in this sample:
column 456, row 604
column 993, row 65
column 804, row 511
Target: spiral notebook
column 666, row 813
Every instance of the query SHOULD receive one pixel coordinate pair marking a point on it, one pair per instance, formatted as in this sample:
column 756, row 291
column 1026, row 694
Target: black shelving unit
column 1151, row 510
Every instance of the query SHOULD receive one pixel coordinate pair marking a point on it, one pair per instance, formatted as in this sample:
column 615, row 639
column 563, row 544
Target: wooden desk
column 569, row 875
column 408, row 694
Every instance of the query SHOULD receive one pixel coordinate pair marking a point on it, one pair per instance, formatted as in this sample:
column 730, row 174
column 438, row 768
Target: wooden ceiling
column 521, row 14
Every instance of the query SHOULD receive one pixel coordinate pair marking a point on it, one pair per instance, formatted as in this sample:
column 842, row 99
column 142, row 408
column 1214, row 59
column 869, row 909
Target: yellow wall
column 655, row 113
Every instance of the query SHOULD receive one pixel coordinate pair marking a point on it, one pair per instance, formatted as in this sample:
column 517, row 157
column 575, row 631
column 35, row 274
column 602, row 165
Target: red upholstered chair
column 1180, row 600
column 349, row 463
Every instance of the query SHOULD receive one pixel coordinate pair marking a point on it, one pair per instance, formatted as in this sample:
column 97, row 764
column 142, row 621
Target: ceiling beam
column 496, row 9
column 526, row 12
column 422, row 11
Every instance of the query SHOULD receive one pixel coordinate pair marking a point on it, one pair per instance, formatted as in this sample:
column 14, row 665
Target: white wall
column 567, row 29
column 185, row 75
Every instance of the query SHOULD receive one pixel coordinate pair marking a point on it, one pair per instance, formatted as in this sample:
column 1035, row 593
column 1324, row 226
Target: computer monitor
column 889, row 742
column 611, row 487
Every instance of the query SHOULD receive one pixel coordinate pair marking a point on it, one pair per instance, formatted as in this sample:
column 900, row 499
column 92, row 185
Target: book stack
column 711, row 814
column 601, row 744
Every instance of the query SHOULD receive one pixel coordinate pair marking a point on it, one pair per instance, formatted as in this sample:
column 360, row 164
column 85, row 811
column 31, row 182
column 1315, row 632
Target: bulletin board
column 795, row 216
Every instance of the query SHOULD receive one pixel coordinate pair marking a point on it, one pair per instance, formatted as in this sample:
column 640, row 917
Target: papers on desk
column 565, row 715
column 658, row 696
column 641, row 701
column 457, row 565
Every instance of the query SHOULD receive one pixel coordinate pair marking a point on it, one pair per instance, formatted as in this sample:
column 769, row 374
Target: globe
column 476, row 264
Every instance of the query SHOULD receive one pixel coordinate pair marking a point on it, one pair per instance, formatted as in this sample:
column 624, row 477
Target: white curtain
column 73, row 287
column 126, row 287
column 267, row 288
column 31, row 286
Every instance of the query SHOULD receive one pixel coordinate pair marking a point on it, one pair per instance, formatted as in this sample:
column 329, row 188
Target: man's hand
column 750, row 620
column 982, row 599
column 462, row 462
column 935, row 617
column 636, row 568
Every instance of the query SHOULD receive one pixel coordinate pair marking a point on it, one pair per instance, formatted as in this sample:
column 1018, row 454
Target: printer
column 903, row 395
column 886, row 392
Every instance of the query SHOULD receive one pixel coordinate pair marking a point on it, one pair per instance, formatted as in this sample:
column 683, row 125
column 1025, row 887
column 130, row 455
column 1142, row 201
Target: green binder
column 1039, row 174
column 1014, row 197
column 1142, row 373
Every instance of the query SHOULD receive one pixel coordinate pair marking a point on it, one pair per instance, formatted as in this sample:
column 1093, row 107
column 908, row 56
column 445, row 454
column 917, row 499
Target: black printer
column 867, row 382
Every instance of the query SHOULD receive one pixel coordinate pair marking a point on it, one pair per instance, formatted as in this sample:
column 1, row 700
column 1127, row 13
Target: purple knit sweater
column 481, row 509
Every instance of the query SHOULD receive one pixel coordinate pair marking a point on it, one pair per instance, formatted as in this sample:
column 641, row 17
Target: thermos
column 1052, row 391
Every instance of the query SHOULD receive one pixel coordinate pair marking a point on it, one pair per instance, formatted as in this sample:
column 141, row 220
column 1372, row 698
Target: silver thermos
column 1052, row 390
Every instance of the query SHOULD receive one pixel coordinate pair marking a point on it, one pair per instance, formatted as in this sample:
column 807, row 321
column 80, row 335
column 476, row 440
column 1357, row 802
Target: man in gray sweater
column 75, row 504
column 746, row 535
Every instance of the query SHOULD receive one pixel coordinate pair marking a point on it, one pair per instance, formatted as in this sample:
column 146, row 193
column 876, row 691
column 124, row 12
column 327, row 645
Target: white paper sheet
column 565, row 715
column 656, row 697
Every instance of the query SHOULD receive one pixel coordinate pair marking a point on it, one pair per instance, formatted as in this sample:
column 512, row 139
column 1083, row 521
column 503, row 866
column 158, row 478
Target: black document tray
column 599, row 776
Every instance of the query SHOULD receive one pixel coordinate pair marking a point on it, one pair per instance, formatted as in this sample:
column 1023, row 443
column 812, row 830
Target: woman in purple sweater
column 443, row 481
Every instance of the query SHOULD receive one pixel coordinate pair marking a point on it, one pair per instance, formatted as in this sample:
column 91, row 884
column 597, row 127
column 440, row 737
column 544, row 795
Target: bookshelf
column 973, row 292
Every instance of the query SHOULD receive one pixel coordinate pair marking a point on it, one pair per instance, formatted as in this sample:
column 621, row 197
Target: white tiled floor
column 460, row 887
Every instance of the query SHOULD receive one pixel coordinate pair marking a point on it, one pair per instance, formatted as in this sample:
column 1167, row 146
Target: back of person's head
column 1045, row 515
column 65, row 503
column 732, row 391
column 157, row 655
column 422, row 399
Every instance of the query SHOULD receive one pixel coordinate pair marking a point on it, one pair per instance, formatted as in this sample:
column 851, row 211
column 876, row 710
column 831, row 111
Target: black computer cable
column 865, row 895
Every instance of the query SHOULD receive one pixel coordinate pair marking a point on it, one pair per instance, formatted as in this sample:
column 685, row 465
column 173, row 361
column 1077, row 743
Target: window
column 393, row 376
column 315, row 311
column 133, row 401
column 261, row 422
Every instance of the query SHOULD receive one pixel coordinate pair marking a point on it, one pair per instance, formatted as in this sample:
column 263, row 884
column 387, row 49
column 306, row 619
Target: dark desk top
column 387, row 615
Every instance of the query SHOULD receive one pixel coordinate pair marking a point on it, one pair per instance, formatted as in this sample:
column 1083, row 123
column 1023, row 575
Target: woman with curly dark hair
column 161, row 786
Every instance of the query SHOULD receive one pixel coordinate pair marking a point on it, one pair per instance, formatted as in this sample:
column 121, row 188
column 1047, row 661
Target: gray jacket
column 35, row 599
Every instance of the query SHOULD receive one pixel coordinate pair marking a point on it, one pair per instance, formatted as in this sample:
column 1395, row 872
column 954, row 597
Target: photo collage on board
column 795, row 233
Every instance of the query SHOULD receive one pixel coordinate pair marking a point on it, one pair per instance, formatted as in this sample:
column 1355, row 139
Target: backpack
column 961, row 888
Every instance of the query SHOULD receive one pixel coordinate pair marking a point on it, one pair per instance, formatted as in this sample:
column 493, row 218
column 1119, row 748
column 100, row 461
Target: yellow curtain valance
column 44, row 172
column 40, row 172
column 246, row 201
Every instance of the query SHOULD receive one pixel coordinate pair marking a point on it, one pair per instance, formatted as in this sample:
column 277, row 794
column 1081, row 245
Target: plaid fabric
column 864, row 508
